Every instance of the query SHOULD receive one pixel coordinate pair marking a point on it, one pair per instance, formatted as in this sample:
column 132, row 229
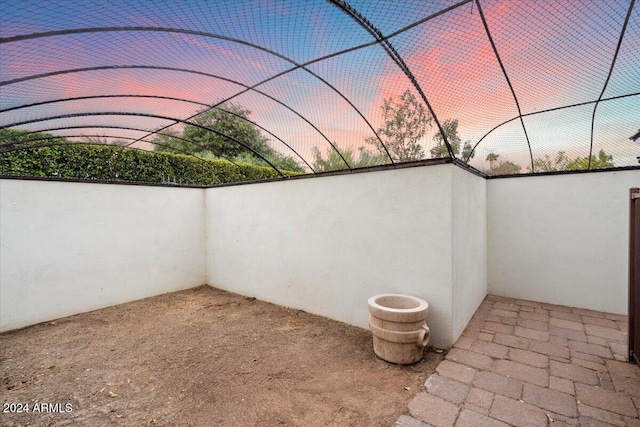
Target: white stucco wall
column 67, row 248
column 561, row 239
column 326, row 245
column 321, row 245
column 469, row 246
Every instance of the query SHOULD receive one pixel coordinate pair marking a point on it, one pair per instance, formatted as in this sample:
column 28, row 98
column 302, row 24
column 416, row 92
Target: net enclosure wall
column 307, row 87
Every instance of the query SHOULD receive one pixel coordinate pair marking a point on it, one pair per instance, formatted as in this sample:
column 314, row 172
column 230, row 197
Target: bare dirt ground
column 201, row 357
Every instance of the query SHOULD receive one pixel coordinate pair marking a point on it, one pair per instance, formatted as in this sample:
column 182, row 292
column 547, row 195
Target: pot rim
column 422, row 304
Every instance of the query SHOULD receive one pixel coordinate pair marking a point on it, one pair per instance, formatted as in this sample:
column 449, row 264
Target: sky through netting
column 509, row 87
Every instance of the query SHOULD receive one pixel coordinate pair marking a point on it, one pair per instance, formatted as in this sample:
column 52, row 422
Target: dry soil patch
column 202, row 357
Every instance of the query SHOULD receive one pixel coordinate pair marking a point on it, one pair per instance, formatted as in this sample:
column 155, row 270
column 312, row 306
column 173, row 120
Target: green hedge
column 112, row 163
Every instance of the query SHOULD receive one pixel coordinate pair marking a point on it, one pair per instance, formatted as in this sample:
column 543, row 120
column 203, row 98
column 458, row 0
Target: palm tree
column 492, row 158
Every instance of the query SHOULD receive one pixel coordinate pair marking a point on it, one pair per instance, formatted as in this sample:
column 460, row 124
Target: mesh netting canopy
column 505, row 86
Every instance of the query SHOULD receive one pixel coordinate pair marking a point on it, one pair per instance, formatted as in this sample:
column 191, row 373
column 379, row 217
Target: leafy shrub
column 112, row 163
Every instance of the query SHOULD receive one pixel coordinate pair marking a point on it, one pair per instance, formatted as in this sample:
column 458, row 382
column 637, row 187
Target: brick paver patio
column 524, row 363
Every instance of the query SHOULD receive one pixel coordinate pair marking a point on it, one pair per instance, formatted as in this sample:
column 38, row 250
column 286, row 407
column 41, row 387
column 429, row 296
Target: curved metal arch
column 117, row 67
column 506, row 76
column 211, row 35
column 545, row 111
column 604, row 87
column 81, row 98
column 395, row 57
column 124, row 128
column 428, row 18
column 70, row 31
column 183, row 70
column 156, row 116
column 487, row 134
column 78, row 98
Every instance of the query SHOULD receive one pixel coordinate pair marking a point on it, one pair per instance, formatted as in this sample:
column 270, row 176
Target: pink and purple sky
column 555, row 53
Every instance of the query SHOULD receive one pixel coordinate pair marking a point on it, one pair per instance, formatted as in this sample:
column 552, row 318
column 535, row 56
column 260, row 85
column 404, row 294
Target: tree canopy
column 506, row 167
column 563, row 162
column 405, row 123
column 360, row 159
column 215, row 133
column 450, row 128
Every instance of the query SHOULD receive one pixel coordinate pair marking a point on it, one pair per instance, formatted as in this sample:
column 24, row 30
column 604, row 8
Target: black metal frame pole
column 82, row 98
column 506, row 76
column 604, row 87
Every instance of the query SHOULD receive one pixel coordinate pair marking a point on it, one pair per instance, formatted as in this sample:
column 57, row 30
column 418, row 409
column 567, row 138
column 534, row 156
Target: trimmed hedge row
column 112, row 163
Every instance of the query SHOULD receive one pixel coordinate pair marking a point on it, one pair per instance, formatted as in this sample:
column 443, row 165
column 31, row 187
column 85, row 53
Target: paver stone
column 433, row 410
